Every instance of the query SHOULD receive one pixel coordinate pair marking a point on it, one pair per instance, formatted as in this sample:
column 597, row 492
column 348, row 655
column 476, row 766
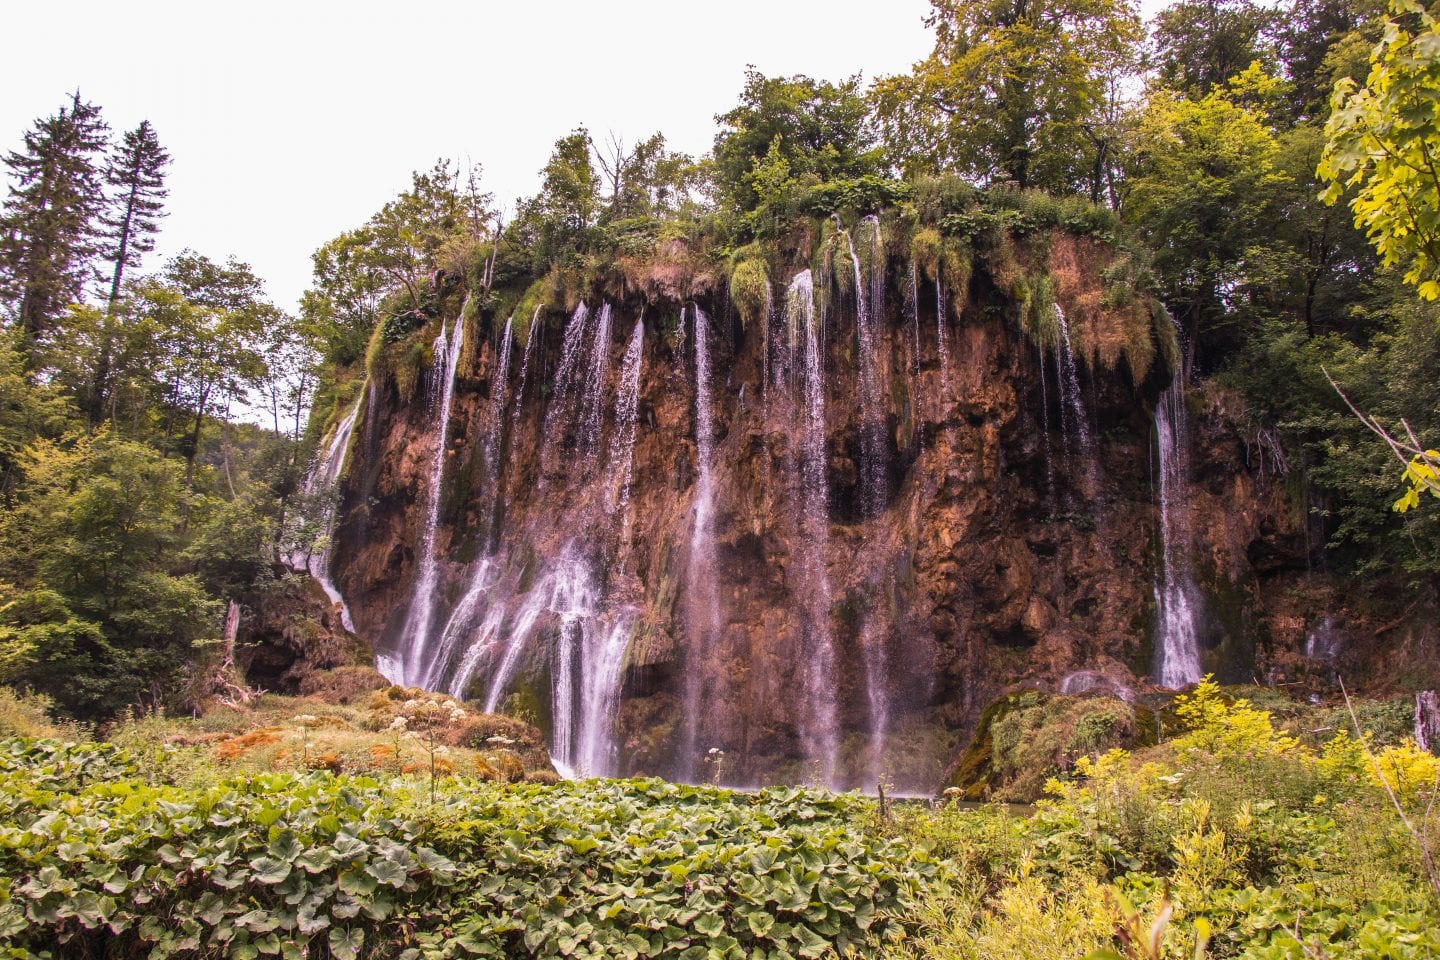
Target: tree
column 95, row 537
column 1383, row 141
column 430, row 225
column 1201, row 44
column 821, row 130
column 1312, row 30
column 1018, row 91
column 135, row 173
column 209, row 321
column 557, row 221
column 1204, row 186
column 48, row 231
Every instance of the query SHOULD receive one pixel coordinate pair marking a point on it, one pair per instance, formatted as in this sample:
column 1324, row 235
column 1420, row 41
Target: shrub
column 26, row 715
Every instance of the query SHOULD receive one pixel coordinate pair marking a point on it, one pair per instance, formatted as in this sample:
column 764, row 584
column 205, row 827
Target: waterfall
column 942, row 348
column 627, row 412
column 1045, row 426
column 587, row 656
column 592, row 409
column 702, row 612
column 819, row 713
column 1177, row 599
column 324, row 476
column 562, row 400
column 532, row 335
column 1322, row 643
column 495, row 423
column 874, row 465
column 481, row 575
column 415, row 637
column 1073, row 419
column 602, row 667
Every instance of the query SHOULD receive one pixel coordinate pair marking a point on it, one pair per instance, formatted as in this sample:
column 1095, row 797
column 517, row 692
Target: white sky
column 289, row 122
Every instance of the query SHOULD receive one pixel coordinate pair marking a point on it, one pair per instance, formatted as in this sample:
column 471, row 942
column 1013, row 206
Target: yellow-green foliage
column 1166, row 333
column 1407, row 770
column 1044, row 736
column 27, row 715
column 1026, row 920
column 957, row 261
column 925, row 251
column 1227, row 729
column 750, row 290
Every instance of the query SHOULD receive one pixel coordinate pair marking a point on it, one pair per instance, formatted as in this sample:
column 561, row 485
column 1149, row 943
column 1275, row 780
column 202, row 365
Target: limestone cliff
column 808, row 536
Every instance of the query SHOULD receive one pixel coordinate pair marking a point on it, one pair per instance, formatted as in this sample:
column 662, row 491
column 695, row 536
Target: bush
column 26, row 715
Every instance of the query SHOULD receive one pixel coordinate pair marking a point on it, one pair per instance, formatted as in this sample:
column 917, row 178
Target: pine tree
column 48, row 231
column 135, row 174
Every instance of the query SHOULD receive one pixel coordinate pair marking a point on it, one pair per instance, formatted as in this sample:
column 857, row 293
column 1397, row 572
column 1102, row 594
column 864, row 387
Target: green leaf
column 387, row 872
column 270, row 871
column 346, row 944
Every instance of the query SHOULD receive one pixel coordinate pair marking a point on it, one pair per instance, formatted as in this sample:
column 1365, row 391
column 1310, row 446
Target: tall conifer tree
column 48, row 233
column 135, row 174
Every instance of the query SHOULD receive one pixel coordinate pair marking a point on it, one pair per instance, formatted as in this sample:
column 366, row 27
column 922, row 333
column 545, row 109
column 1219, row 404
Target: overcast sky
column 289, row 122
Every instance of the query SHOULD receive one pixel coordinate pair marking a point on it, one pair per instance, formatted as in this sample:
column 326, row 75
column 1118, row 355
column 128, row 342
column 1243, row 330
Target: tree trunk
column 1427, row 720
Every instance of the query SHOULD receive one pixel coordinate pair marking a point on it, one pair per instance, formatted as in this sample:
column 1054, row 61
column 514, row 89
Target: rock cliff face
column 806, row 539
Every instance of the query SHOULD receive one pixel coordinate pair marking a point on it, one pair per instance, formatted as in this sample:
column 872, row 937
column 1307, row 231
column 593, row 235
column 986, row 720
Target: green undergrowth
column 1234, row 838
column 95, row 862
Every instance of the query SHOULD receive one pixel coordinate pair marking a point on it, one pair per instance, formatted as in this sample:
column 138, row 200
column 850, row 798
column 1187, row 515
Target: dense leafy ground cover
column 94, row 862
column 1234, row 839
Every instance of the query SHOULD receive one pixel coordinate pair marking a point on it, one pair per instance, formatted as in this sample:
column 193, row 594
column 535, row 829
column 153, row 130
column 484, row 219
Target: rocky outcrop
column 989, row 516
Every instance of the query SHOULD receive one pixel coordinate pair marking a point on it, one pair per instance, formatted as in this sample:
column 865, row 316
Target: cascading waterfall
column 601, row 679
column 532, row 335
column 324, row 476
column 819, row 713
column 593, row 403
column 1045, row 425
column 942, row 346
column 1074, row 421
column 869, row 298
column 415, row 638
column 1177, row 598
column 627, row 415
column 562, row 400
column 702, row 611
column 490, row 632
column 495, row 422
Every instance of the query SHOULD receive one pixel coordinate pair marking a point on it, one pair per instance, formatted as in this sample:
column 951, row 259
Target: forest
column 1265, row 176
